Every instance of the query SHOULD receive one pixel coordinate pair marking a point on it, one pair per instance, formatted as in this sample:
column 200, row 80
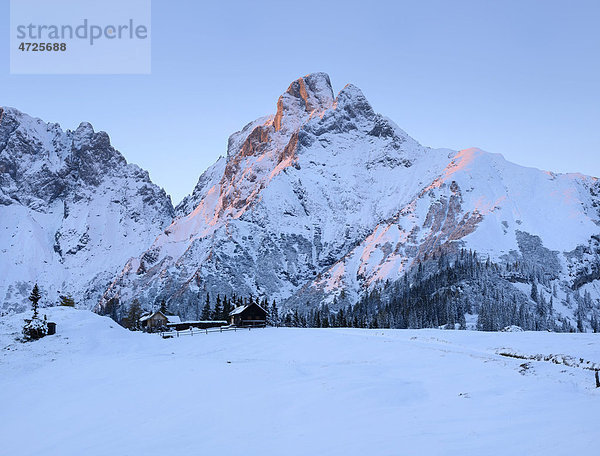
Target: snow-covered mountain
column 72, row 211
column 326, row 199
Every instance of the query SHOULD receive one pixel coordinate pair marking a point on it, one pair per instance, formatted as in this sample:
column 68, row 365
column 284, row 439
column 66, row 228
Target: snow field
column 97, row 389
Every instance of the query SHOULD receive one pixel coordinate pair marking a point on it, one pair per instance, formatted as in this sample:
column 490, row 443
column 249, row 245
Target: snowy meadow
column 95, row 388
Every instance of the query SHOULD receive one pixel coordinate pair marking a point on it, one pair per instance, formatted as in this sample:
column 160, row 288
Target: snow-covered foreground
column 97, row 389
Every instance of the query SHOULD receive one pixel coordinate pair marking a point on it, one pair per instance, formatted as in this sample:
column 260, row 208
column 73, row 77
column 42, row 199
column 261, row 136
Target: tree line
column 444, row 290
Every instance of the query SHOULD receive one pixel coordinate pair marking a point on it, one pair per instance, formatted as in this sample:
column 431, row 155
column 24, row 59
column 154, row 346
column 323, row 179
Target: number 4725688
column 41, row 47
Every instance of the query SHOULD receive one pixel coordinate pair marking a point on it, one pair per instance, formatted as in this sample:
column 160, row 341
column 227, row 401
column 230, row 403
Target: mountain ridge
column 68, row 202
column 304, row 191
column 325, row 202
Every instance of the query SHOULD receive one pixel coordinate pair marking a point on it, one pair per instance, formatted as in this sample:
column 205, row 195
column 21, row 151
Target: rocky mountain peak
column 84, row 131
column 94, row 150
column 7, row 114
column 304, row 96
column 352, row 100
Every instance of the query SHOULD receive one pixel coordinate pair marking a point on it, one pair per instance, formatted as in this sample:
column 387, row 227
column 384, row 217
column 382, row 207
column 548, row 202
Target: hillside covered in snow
column 72, row 211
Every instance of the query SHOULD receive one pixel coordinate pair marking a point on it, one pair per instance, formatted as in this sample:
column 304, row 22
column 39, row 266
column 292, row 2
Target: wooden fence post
column 597, row 380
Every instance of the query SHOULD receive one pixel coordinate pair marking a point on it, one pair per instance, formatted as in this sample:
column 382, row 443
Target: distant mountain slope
column 326, row 199
column 482, row 202
column 72, row 210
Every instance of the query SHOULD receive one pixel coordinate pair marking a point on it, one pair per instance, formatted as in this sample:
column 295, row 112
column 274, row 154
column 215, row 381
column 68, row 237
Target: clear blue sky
column 521, row 78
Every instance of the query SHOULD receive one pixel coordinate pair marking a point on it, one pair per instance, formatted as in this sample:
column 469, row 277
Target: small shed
column 248, row 315
column 157, row 320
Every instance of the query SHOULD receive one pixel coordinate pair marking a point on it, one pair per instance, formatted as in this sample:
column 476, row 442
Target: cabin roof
column 146, row 317
column 170, row 318
column 240, row 309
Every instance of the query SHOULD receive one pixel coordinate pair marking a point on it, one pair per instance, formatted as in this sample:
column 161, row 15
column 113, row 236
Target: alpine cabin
column 157, row 320
column 248, row 315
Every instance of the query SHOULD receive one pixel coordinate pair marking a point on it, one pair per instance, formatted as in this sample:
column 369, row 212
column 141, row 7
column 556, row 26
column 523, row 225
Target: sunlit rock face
column 72, row 211
column 305, row 96
column 326, row 199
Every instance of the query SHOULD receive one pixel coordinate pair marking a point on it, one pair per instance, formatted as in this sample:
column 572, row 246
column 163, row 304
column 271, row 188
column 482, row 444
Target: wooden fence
column 192, row 331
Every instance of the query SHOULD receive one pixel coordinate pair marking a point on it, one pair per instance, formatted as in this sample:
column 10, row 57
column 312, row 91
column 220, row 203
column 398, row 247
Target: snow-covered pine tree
column 206, row 309
column 274, row 314
column 226, row 307
column 133, row 316
column 111, row 309
column 218, row 312
column 541, row 313
column 35, row 328
column 35, row 297
column 462, row 320
column 265, row 305
column 593, row 322
column 534, row 291
column 325, row 316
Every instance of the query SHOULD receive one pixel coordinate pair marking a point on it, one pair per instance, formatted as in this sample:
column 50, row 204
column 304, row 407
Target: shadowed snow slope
column 98, row 389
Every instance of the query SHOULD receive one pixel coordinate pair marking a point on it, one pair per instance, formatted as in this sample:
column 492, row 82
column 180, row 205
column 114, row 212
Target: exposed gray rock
column 73, row 211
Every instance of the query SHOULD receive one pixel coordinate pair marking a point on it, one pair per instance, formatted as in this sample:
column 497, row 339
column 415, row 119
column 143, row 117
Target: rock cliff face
column 72, row 211
column 326, row 199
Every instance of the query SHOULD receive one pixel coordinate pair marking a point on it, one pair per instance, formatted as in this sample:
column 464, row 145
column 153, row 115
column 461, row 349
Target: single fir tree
column 35, row 297
column 206, row 309
column 274, row 314
column 534, row 292
column 226, row 307
column 133, row 316
column 218, row 310
column 36, row 328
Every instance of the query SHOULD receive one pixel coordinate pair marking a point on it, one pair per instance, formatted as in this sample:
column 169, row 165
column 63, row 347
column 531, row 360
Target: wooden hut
column 157, row 320
column 248, row 315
